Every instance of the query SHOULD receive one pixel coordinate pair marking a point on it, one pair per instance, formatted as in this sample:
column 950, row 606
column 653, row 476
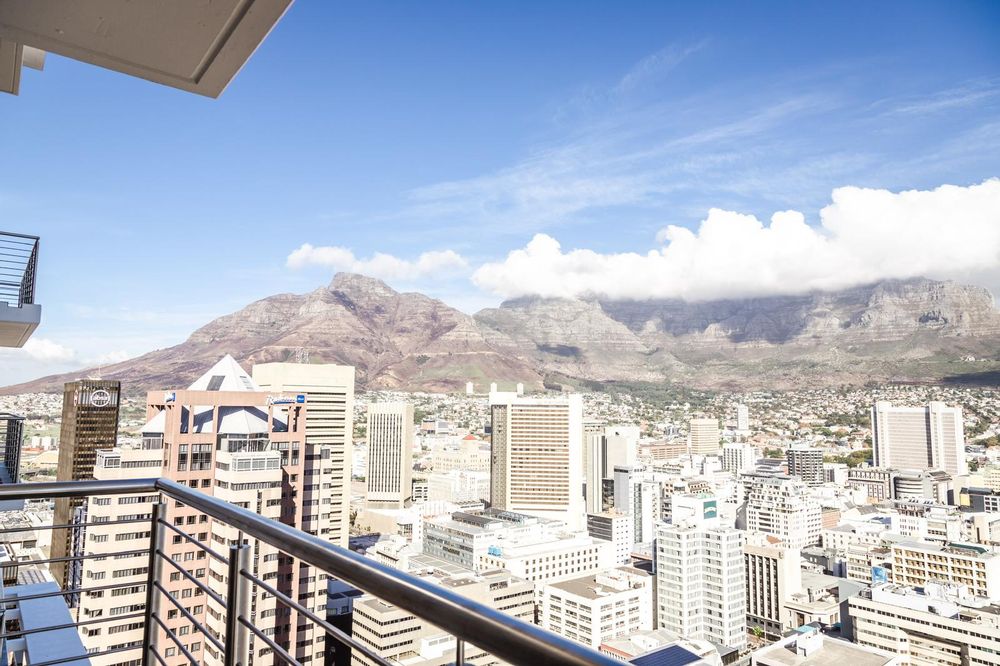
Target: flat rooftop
column 833, row 653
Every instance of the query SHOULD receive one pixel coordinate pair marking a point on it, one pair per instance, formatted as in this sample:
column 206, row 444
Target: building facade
column 598, row 608
column 537, row 457
column 703, row 436
column 388, row 481
column 329, row 391
column 807, row 464
column 89, row 422
column 701, row 583
column 781, row 506
column 917, row 438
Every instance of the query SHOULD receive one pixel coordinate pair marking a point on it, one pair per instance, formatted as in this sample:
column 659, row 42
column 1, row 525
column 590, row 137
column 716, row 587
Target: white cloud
column 110, row 358
column 434, row 264
column 43, row 349
column 863, row 236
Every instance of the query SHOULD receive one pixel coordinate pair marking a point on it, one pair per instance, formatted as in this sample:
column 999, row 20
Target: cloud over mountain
column 864, row 235
column 384, row 266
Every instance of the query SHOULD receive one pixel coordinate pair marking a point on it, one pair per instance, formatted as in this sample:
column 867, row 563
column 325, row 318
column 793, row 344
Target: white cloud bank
column 434, row 264
column 864, row 235
column 49, row 351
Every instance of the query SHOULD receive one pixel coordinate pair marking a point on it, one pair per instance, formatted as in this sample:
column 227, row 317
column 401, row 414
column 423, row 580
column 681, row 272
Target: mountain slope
column 912, row 330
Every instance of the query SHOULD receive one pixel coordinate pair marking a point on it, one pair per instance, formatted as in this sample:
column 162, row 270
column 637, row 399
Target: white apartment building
column 329, row 390
column 773, row 574
column 606, row 447
column 638, row 495
column 601, row 607
column 614, row 527
column 537, row 457
column 116, row 464
column 936, row 625
column 919, row 438
column 738, row 457
column 389, row 475
column 977, row 567
column 781, row 506
column 701, row 582
column 703, row 436
column 742, row 419
column 925, row 520
column 458, row 486
column 405, row 639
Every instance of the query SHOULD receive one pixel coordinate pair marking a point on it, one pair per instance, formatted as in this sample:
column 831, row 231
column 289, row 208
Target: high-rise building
column 781, row 506
column 701, row 582
column 389, row 475
column 703, row 436
column 606, row 448
column 930, row 437
column 537, row 457
column 807, row 464
column 89, row 422
column 230, row 439
column 742, row 419
column 12, row 438
column 593, row 445
column 637, row 495
column 329, row 391
column 773, row 574
column 125, row 462
column 738, row 458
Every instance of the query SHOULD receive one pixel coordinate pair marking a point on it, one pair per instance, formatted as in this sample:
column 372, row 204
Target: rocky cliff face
column 911, row 330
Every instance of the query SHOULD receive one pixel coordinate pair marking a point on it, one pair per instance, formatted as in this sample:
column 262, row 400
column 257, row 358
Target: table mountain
column 910, row 330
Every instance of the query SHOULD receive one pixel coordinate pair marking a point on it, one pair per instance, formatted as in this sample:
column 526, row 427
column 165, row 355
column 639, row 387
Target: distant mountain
column 912, row 330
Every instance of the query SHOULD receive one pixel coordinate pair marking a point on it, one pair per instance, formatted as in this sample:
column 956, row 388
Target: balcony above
column 194, row 46
column 19, row 314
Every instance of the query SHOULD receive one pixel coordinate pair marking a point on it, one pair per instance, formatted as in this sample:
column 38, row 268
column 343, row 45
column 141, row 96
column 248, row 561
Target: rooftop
column 812, row 648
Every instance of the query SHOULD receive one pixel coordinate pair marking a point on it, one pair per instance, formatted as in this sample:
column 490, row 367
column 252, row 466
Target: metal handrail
column 499, row 634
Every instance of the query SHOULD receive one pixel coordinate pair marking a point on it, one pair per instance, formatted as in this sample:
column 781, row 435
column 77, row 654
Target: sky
column 483, row 151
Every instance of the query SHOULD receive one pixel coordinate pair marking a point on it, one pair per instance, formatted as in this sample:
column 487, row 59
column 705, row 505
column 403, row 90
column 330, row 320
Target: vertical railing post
column 459, row 652
column 157, row 533
column 238, row 605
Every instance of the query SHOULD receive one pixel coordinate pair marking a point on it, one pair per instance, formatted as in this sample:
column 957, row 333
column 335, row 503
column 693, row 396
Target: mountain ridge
column 893, row 330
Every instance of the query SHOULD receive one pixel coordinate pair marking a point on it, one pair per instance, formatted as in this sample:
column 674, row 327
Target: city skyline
column 738, row 406
column 599, row 144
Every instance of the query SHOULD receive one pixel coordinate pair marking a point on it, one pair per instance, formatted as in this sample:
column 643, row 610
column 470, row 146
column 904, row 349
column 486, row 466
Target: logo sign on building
column 169, row 396
column 100, row 398
column 711, row 509
column 300, row 399
column 879, row 575
column 280, row 400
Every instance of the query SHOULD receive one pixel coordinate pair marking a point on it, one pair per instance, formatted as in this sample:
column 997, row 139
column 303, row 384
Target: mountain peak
column 355, row 283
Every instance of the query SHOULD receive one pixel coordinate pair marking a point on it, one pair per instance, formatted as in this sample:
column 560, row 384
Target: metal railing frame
column 18, row 265
column 504, row 636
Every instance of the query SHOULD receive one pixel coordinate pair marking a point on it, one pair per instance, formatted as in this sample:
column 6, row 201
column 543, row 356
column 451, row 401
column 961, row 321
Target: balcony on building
column 19, row 313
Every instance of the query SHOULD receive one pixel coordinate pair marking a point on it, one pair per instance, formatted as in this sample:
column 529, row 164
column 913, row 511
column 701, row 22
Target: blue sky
column 465, row 129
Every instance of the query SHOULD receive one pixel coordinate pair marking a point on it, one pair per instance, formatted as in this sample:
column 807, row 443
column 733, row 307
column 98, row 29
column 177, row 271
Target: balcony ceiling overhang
column 194, row 45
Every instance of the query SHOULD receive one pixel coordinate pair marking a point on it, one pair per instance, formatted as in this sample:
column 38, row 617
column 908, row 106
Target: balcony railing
column 18, row 260
column 503, row 636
